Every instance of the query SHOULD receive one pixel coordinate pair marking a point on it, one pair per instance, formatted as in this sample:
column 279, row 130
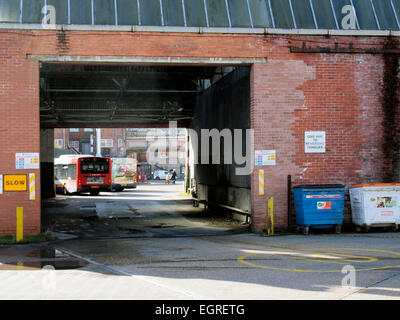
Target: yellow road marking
column 369, row 260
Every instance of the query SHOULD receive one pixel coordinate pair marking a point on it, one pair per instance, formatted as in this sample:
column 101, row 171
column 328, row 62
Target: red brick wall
column 19, row 128
column 293, row 92
column 336, row 93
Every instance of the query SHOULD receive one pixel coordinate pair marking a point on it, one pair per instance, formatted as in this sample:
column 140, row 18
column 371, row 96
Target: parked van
column 160, row 174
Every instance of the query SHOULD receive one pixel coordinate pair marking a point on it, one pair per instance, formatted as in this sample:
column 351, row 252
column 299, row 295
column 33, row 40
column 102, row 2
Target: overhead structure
column 117, row 95
column 281, row 14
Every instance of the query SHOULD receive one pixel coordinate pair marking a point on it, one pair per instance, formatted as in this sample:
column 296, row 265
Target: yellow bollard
column 270, row 216
column 20, row 224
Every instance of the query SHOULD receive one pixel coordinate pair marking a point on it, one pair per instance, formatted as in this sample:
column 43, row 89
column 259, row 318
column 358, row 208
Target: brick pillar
column 19, row 128
column 274, row 97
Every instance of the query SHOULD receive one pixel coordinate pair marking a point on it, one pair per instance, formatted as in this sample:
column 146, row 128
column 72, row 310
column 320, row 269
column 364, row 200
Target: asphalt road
column 170, row 253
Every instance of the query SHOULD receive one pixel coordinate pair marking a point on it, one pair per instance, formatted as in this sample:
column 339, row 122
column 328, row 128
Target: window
column 58, row 143
column 324, row 14
column 61, row 7
column 72, row 171
column 365, row 14
column 104, row 12
column 217, row 14
column 303, row 14
column 106, row 143
column 282, row 14
column 81, row 12
column 195, row 13
column 127, row 12
column 239, row 13
column 73, row 129
column 32, row 11
column 385, row 15
column 91, row 166
column 74, row 144
column 260, row 12
column 150, row 14
column 173, row 13
column 88, row 130
column 9, row 11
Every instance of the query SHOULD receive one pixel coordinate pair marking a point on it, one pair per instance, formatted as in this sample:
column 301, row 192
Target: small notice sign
column 314, row 142
column 265, row 158
column 324, row 205
column 27, row 161
column 15, row 182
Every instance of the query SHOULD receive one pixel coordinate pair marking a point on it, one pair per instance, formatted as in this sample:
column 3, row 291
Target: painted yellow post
column 20, row 224
column 270, row 216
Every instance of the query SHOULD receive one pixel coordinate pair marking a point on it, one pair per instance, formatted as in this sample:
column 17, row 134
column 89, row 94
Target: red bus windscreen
column 94, row 166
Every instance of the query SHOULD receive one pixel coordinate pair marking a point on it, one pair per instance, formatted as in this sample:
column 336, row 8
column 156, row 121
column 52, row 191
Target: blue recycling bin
column 319, row 206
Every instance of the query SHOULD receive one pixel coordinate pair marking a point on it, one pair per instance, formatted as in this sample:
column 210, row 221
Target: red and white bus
column 82, row 173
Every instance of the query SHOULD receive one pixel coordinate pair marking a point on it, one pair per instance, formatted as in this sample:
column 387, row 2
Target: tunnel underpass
column 135, row 96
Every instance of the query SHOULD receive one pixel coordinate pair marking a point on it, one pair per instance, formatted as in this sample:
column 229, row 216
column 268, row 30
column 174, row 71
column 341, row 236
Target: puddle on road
column 37, row 259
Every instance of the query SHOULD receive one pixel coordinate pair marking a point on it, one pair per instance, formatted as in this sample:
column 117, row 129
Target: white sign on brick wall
column 315, row 142
column 265, row 158
column 27, row 161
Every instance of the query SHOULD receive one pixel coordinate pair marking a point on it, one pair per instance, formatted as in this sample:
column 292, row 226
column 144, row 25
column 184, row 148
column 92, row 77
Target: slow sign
column 15, row 182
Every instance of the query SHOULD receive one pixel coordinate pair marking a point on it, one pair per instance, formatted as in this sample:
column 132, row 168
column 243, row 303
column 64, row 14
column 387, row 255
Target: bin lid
column 368, row 185
column 321, row 186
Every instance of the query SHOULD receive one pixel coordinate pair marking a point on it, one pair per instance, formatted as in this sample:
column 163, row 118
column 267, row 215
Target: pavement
column 176, row 252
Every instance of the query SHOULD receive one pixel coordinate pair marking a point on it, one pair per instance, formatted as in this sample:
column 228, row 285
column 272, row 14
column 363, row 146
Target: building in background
column 84, row 141
column 169, row 153
column 157, row 149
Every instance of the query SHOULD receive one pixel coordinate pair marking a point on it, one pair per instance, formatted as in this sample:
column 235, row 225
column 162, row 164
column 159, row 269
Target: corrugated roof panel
column 303, row 14
column 365, row 14
column 9, row 12
column 217, row 13
column 285, row 14
column 396, row 9
column 195, row 13
column 127, row 12
column 386, row 17
column 32, row 11
column 261, row 13
column 173, row 13
column 282, row 14
column 61, row 7
column 150, row 14
column 104, row 12
column 324, row 14
column 81, row 12
column 240, row 16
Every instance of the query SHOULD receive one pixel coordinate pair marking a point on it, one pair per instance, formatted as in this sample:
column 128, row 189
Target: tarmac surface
column 150, row 243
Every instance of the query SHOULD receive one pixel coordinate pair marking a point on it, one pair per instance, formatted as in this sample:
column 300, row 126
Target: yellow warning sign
column 15, row 182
